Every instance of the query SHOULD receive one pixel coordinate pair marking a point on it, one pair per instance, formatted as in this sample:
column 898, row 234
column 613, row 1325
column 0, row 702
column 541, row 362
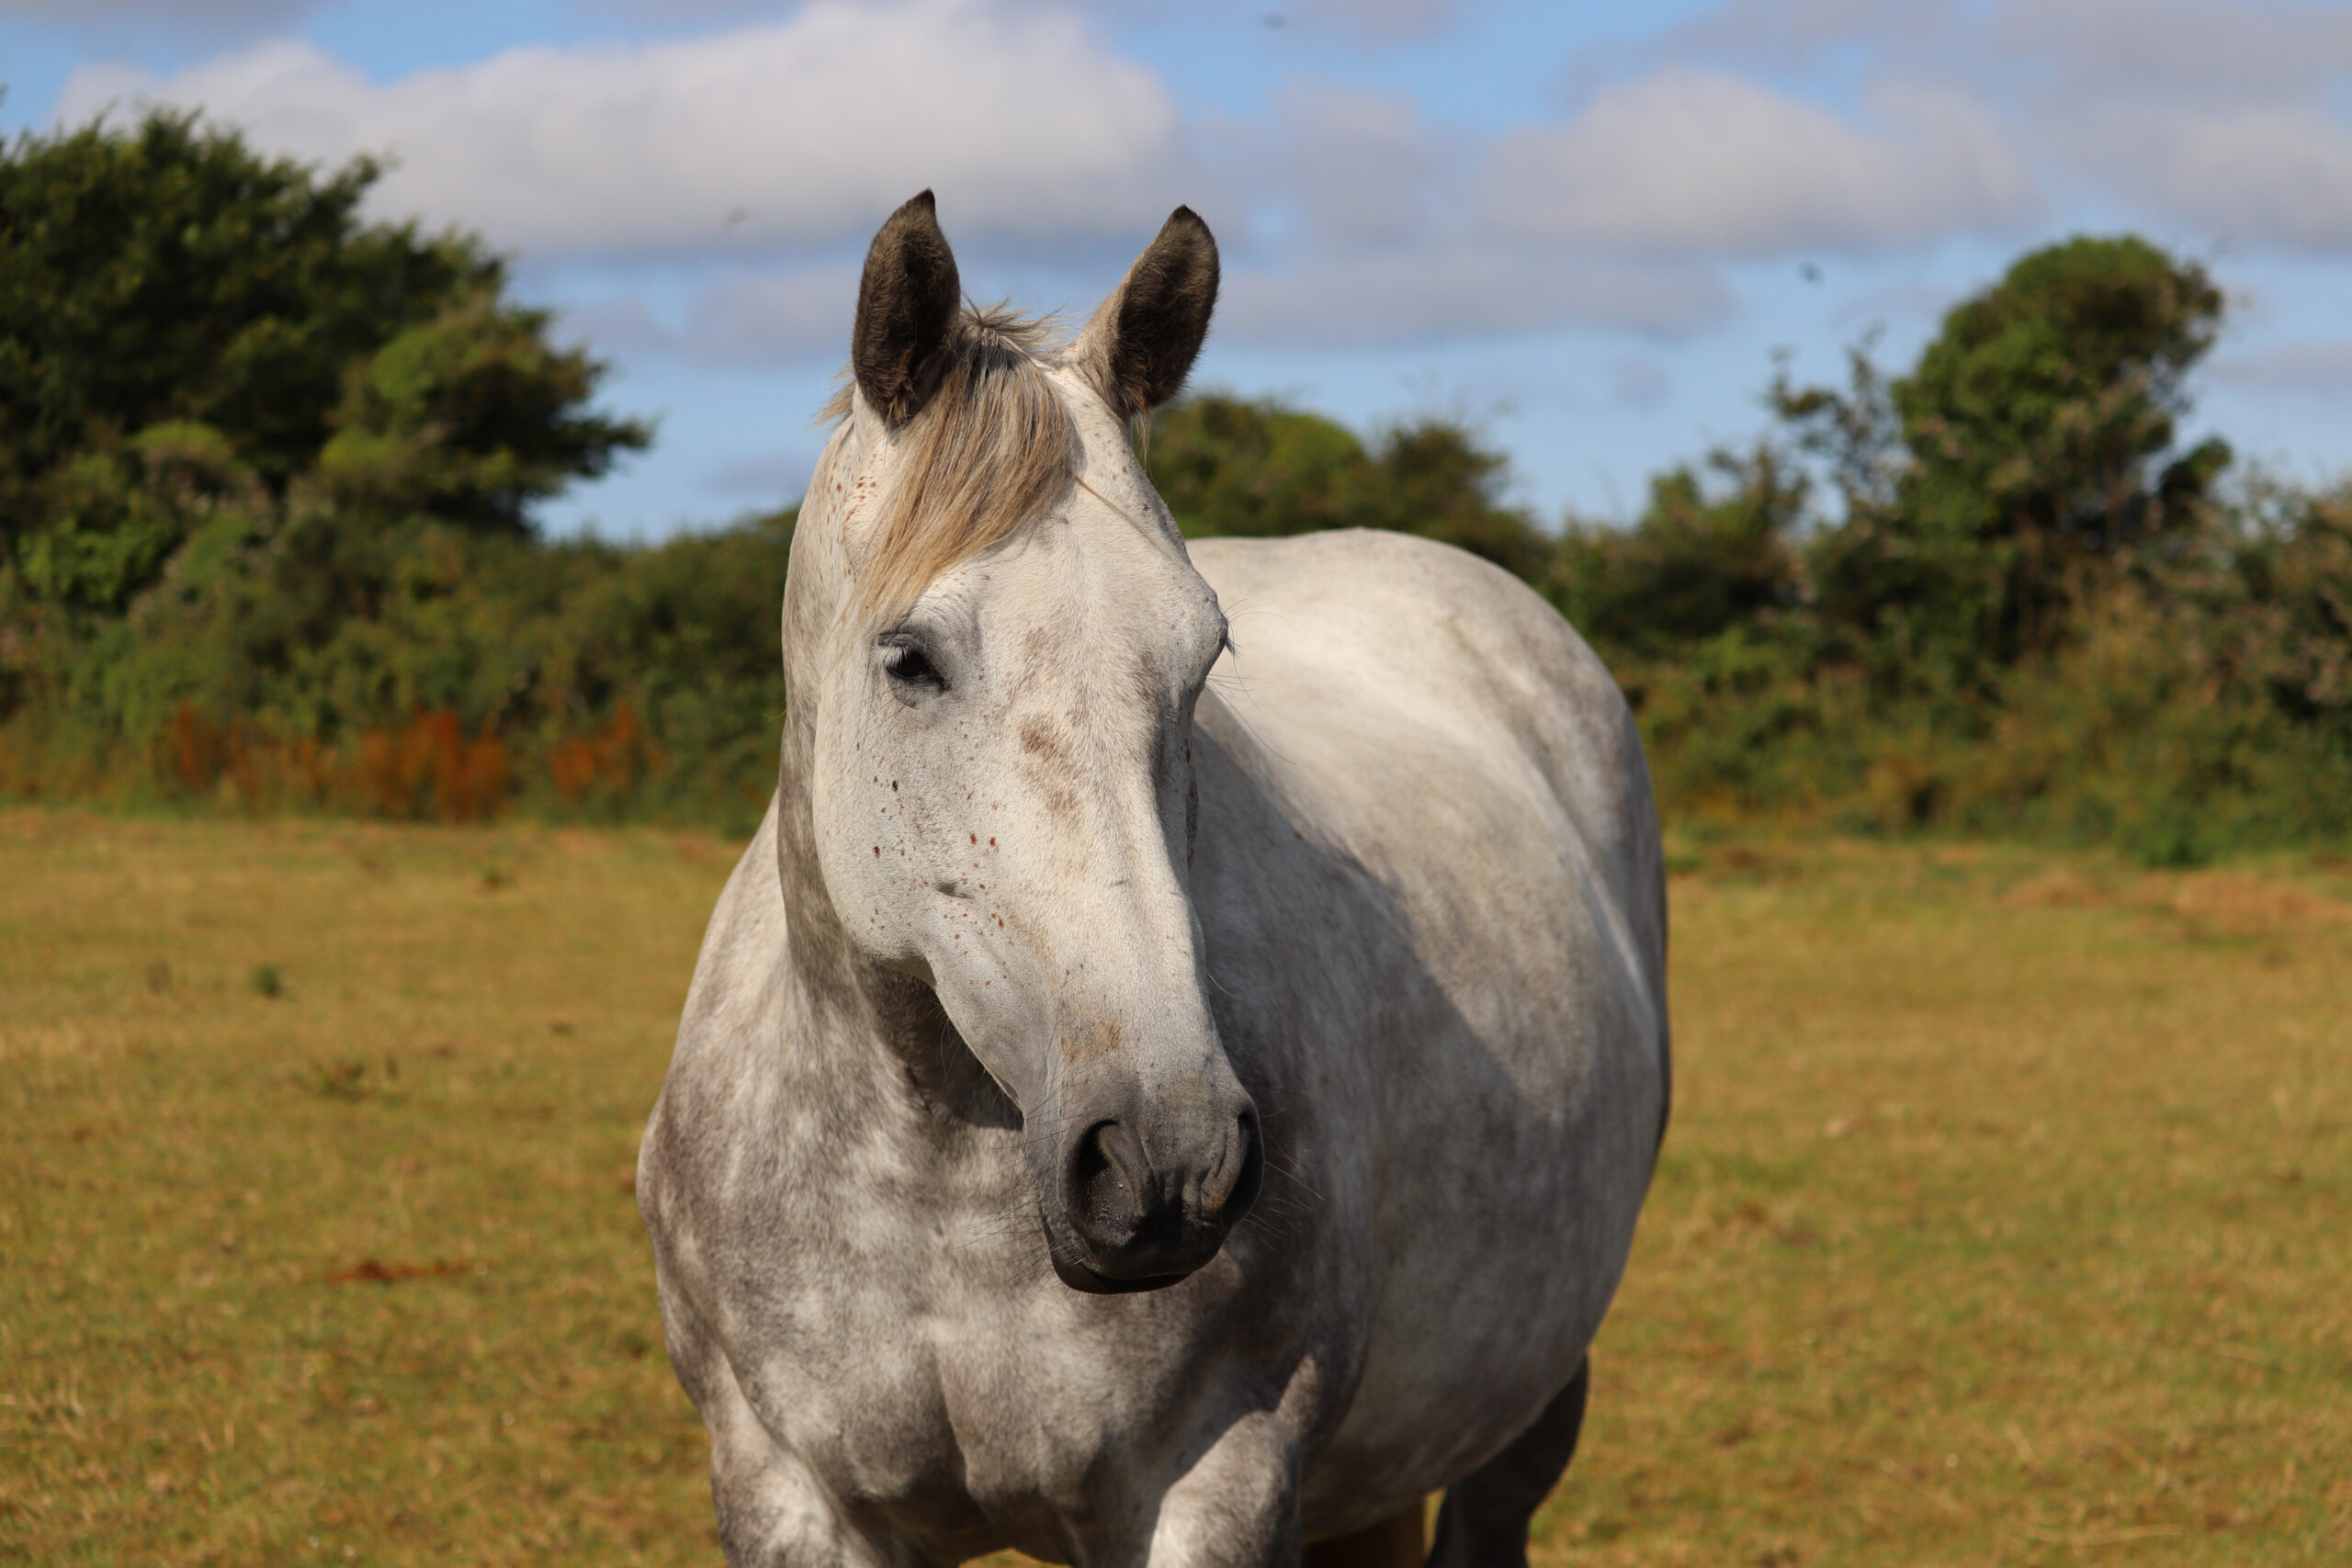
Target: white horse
column 1143, row 1101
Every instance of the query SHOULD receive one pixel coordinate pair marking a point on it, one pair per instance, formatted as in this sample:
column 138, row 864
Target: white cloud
column 1361, row 168
column 1374, row 18
column 2225, row 117
column 2197, row 49
column 2280, row 177
column 1790, row 31
column 672, row 12
column 2183, row 51
column 1307, row 23
column 1696, row 163
column 2223, row 120
column 799, row 132
column 1454, row 291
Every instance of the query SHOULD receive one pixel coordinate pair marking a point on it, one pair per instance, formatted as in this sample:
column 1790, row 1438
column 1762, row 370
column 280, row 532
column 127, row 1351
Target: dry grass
column 356, row 1264
column 2003, row 1219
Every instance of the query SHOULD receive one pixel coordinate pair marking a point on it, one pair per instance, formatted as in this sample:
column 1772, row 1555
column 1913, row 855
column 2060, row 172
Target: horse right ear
column 1141, row 341
column 906, row 302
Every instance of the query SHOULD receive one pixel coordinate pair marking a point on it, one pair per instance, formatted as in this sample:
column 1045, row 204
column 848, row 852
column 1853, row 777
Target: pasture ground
column 2004, row 1218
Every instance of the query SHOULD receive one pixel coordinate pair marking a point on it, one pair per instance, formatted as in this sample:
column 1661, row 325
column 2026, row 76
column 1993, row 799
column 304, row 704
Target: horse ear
column 1142, row 341
column 906, row 302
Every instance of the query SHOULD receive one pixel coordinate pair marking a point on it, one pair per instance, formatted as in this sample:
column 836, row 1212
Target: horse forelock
column 991, row 452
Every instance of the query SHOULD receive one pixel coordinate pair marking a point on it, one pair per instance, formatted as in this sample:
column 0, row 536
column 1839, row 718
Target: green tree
column 164, row 286
column 1250, row 468
column 1700, row 560
column 470, row 417
column 1256, row 468
column 2030, row 452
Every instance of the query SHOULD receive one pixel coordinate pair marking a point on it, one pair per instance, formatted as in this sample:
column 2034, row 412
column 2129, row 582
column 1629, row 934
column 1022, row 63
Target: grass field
column 2004, row 1218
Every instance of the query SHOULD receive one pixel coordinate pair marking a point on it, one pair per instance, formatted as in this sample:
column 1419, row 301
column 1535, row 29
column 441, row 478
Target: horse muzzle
column 1139, row 1206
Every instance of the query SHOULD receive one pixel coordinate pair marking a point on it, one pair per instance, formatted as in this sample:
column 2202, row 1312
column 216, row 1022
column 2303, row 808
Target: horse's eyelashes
column 909, row 665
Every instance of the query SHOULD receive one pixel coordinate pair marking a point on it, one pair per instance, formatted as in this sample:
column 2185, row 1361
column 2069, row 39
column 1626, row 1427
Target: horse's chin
column 1073, row 1271
column 1079, row 1277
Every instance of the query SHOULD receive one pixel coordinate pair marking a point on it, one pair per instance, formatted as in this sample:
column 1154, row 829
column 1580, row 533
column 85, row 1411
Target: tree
column 470, row 417
column 2022, row 458
column 1258, row 468
column 1250, row 468
column 165, row 286
column 1701, row 559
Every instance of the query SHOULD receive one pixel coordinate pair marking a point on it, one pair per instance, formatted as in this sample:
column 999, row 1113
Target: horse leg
column 1235, row 1507
column 770, row 1510
column 1483, row 1523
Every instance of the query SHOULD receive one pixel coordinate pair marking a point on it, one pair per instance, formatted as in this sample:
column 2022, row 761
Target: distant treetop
column 164, row 286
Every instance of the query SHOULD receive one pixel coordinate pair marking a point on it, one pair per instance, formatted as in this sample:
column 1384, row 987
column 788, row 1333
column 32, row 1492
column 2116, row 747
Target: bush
column 289, row 658
column 267, row 476
column 1695, row 564
column 1258, row 468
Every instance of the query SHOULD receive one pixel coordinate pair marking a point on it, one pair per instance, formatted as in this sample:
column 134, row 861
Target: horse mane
column 991, row 451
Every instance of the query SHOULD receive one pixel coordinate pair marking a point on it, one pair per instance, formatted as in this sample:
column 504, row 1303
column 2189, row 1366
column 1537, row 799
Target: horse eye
column 908, row 663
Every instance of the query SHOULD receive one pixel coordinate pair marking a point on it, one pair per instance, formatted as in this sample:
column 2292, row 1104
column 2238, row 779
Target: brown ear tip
column 1185, row 218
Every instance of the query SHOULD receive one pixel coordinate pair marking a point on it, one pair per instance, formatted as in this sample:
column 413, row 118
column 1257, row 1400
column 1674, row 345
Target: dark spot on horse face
column 1037, row 739
column 1041, row 740
column 1089, row 1044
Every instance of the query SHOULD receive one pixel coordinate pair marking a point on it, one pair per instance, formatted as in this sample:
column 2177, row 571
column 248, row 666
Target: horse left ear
column 906, row 301
column 1141, row 341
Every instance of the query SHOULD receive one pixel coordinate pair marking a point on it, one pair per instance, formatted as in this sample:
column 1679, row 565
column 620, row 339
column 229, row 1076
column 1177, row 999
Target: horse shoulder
column 726, row 1028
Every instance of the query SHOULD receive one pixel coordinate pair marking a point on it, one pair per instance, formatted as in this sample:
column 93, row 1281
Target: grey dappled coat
column 1150, row 1095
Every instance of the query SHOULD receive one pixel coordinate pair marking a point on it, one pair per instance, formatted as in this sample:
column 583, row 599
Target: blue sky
column 1586, row 228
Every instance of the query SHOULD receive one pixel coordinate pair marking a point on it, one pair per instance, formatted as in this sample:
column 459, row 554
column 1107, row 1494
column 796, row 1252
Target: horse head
column 1004, row 640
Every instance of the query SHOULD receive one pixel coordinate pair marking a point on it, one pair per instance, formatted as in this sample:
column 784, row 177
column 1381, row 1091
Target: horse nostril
column 1101, row 1192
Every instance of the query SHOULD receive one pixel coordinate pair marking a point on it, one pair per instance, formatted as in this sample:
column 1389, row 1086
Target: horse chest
column 931, row 1365
column 881, row 1336
column 853, row 1393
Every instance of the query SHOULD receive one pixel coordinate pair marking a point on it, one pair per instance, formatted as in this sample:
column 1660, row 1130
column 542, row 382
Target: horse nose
column 1140, row 1218
column 1233, row 1186
column 1107, row 1187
